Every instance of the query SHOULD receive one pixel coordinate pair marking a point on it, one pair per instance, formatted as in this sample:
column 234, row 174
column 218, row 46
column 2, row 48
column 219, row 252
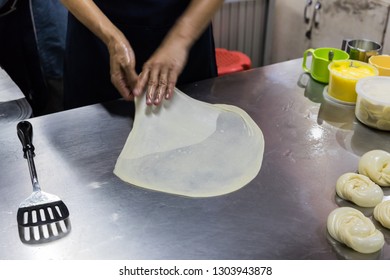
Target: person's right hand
column 122, row 67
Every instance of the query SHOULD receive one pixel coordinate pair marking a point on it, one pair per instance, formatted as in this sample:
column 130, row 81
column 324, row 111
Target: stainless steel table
column 281, row 214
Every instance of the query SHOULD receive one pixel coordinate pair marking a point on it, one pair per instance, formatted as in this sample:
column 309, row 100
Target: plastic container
column 373, row 102
column 382, row 63
column 344, row 74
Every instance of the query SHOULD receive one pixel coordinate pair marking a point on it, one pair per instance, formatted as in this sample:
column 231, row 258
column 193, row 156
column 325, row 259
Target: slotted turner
column 42, row 217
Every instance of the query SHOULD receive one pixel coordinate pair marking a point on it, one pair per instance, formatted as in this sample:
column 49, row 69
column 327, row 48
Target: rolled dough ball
column 359, row 189
column 350, row 227
column 376, row 165
column 382, row 213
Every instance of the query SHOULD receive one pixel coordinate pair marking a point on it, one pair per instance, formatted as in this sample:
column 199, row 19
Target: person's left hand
column 160, row 73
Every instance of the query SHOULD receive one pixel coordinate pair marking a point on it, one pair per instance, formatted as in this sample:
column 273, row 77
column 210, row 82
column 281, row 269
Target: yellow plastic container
column 382, row 63
column 344, row 75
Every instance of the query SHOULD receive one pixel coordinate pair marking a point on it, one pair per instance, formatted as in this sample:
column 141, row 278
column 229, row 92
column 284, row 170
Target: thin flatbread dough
column 191, row 148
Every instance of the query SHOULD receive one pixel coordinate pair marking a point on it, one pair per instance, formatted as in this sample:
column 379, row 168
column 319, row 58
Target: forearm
column 122, row 58
column 94, row 19
column 193, row 22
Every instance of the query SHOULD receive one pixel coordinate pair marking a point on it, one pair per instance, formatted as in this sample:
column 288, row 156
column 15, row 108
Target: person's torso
column 143, row 12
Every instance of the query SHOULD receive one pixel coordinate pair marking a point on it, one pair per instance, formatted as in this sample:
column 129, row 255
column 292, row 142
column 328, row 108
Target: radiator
column 241, row 26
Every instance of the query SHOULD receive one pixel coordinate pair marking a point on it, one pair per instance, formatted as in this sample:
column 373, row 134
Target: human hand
column 160, row 73
column 122, row 67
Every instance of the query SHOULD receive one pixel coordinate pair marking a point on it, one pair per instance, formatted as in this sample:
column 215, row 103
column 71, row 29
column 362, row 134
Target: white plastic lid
column 374, row 88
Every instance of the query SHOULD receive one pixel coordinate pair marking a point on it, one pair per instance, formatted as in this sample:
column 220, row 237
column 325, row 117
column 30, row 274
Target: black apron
column 145, row 24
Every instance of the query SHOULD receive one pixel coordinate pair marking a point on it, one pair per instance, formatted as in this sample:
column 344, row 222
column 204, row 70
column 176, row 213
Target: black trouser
column 19, row 55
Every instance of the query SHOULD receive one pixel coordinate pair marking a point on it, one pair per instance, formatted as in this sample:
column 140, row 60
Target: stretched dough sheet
column 191, row 148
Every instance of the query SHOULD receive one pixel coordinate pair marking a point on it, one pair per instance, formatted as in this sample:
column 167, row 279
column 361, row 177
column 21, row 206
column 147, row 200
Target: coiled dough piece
column 359, row 189
column 350, row 227
column 382, row 213
column 376, row 165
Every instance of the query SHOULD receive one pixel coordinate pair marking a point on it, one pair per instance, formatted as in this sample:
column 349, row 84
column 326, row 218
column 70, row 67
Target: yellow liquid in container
column 344, row 76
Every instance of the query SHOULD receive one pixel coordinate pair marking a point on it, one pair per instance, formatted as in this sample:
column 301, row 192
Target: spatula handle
column 25, row 134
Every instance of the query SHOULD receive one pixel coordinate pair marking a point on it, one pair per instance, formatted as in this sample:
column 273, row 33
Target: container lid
column 374, row 88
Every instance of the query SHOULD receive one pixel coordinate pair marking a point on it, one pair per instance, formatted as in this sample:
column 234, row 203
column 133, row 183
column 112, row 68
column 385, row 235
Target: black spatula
column 42, row 217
